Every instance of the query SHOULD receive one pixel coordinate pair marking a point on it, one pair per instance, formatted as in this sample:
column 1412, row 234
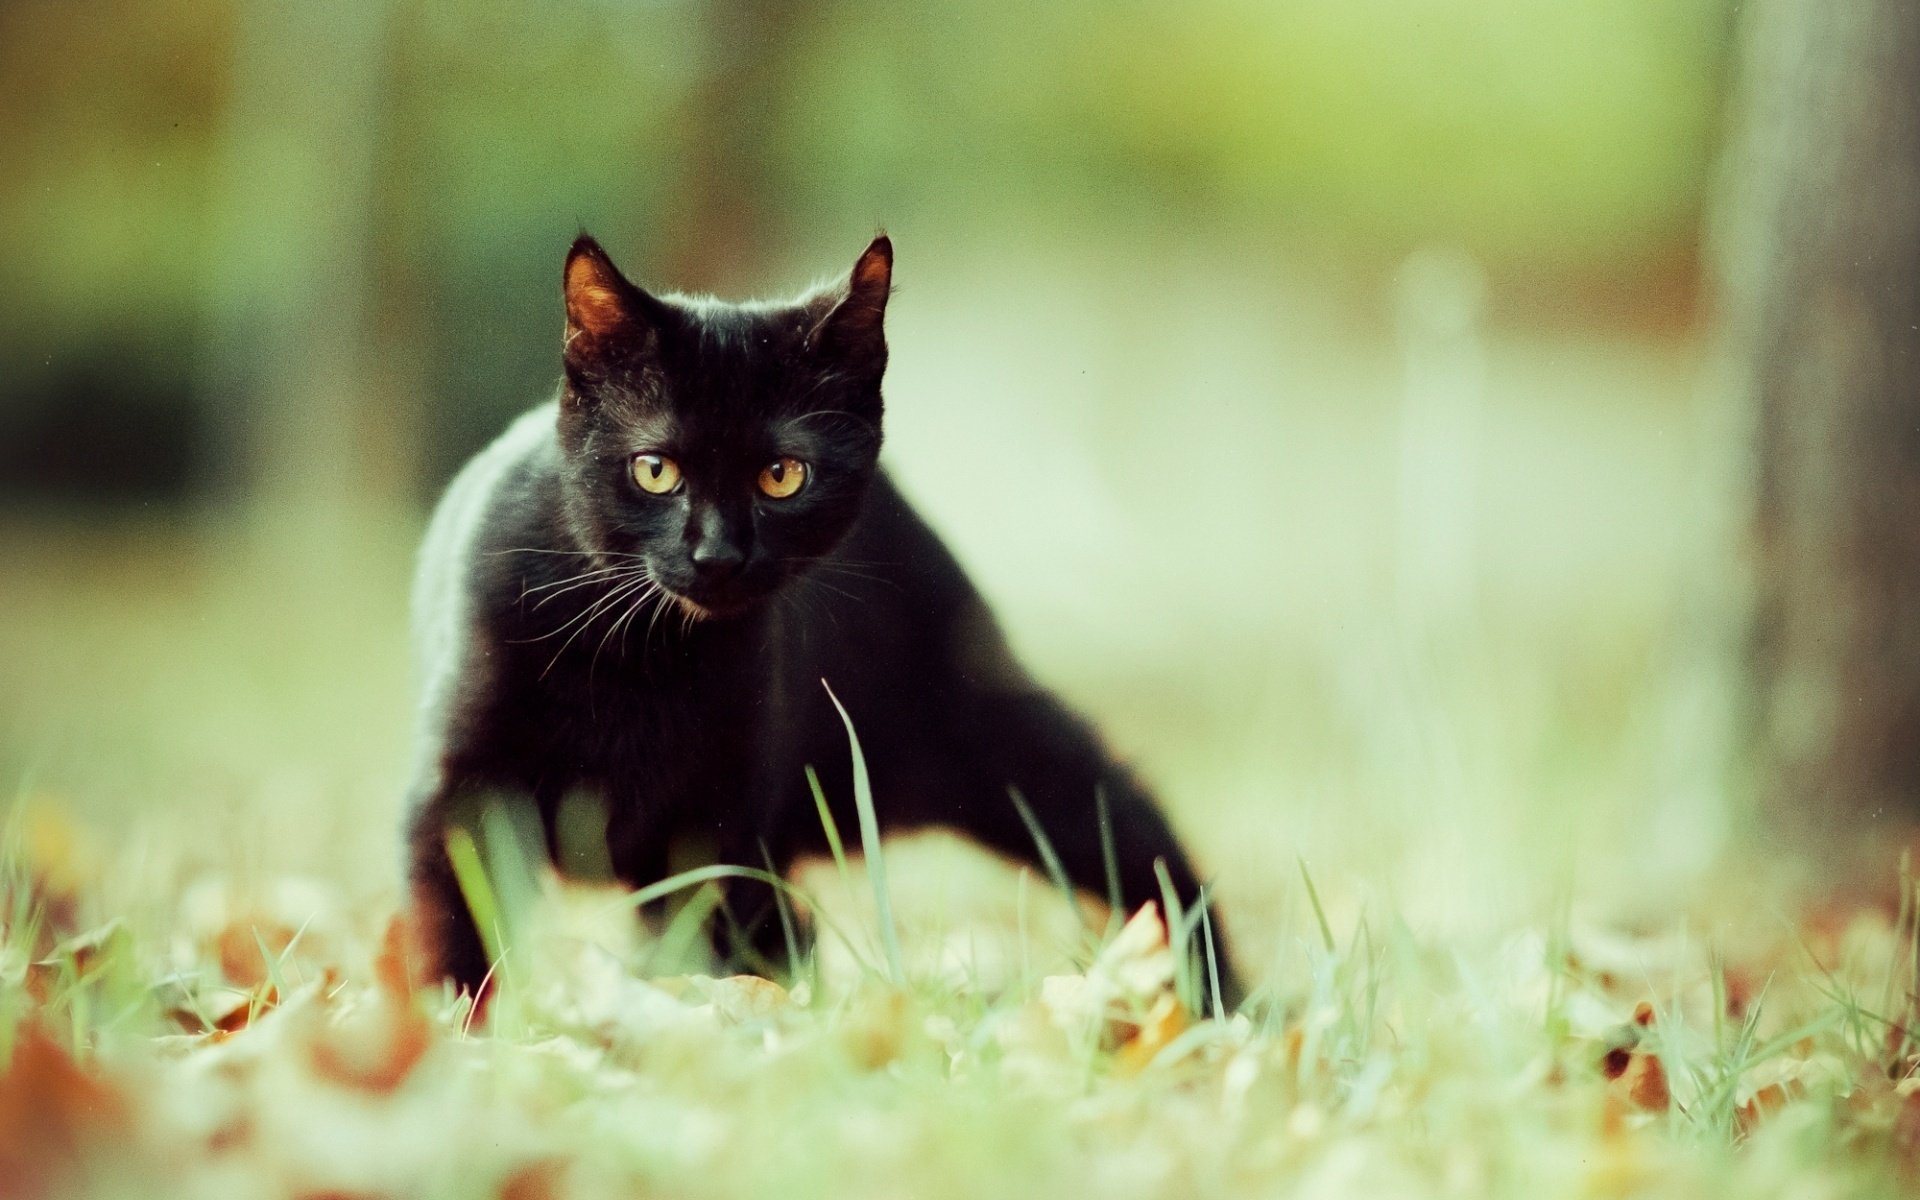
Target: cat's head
column 727, row 445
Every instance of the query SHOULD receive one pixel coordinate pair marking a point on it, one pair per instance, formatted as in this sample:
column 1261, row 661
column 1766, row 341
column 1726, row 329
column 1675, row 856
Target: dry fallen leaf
column 1905, row 1137
column 1764, row 1103
column 1130, row 974
column 1646, row 1082
column 876, row 1026
column 241, row 1008
column 738, row 999
column 538, row 1180
column 241, row 960
column 375, row 1045
column 392, row 968
column 1163, row 1023
column 1636, row 1085
column 52, row 1113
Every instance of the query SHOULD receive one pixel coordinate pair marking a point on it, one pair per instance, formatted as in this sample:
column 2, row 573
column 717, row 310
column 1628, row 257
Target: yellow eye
column 783, row 477
column 655, row 474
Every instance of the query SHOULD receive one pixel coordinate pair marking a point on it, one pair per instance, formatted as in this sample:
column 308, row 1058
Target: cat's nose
column 715, row 560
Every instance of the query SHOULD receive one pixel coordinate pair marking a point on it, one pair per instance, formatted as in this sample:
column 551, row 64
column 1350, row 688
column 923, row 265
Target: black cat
column 636, row 592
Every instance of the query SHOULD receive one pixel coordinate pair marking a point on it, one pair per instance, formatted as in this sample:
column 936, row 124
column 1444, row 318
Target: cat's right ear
column 606, row 315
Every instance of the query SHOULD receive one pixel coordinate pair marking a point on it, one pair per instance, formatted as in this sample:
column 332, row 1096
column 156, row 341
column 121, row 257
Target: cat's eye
column 783, row 477
column 656, row 473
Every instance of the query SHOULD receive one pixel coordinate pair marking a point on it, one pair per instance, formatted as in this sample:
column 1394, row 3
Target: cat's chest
column 669, row 729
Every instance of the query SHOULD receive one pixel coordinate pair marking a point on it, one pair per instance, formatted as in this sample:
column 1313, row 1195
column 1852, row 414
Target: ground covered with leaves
column 273, row 1041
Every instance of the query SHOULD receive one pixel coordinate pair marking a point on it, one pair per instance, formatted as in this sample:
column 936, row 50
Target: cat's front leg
column 443, row 924
column 757, row 928
column 1029, row 743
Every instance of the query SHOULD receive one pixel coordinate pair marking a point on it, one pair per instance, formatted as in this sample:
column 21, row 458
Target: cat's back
column 487, row 497
column 898, row 604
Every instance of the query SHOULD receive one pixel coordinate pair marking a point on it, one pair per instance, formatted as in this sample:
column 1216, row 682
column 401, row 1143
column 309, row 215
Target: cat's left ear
column 854, row 332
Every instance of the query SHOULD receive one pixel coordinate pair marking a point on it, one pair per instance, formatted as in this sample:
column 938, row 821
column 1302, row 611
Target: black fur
column 666, row 652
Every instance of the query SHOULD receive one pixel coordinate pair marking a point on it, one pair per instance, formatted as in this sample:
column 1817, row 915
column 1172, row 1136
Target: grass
column 160, row 1060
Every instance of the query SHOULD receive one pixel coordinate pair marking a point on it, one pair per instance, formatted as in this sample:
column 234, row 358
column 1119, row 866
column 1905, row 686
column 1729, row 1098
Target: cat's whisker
column 584, row 617
column 528, row 591
column 625, row 624
column 661, row 601
column 603, row 582
column 836, row 562
column 599, row 606
column 593, row 663
column 608, row 579
column 620, row 621
column 849, row 572
column 825, row 412
column 839, row 591
column 592, row 609
column 834, row 568
column 811, row 605
column 567, row 553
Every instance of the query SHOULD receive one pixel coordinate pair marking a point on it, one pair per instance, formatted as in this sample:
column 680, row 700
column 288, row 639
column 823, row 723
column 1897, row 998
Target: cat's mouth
column 708, row 604
column 694, row 610
column 706, row 598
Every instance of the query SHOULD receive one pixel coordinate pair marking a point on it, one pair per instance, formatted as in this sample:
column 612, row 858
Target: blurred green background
column 1317, row 387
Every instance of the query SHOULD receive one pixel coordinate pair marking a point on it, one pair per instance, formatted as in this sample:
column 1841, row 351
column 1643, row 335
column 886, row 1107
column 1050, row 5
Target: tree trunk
column 1819, row 250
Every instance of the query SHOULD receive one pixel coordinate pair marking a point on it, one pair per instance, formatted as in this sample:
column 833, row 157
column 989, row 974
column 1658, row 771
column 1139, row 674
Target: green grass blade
column 1109, row 861
column 1185, row 986
column 274, row 978
column 471, row 874
column 670, row 954
column 1213, row 960
column 1319, row 913
column 642, row 897
column 828, row 823
column 788, row 930
column 1910, row 909
column 1026, row 936
column 870, row 846
column 1049, row 858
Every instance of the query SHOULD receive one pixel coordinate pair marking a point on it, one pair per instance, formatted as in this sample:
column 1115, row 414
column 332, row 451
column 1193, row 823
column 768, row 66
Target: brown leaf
column 1898, row 1038
column 239, row 949
column 241, row 1010
column 394, row 966
column 1646, row 1082
column 374, row 1048
column 741, row 998
column 1906, row 1136
column 1764, row 1103
column 1130, row 980
column 538, row 1180
column 1614, row 1063
column 1295, row 1043
column 1741, row 985
column 51, row 1113
column 1165, row 1022
column 875, row 1026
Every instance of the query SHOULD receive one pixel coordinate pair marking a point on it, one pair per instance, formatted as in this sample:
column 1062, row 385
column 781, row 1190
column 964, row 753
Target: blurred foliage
column 201, row 192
